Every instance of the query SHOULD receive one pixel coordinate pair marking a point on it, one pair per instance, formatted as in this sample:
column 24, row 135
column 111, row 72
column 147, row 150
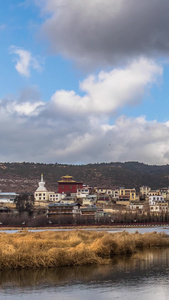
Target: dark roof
column 4, row 209
column 63, row 204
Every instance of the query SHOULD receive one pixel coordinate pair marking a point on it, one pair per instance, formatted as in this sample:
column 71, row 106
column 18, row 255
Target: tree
column 25, row 202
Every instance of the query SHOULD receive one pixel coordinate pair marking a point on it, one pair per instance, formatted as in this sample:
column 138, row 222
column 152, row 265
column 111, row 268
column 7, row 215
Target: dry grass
column 52, row 249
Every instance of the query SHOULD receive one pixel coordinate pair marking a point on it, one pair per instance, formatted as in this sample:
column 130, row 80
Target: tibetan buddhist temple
column 68, row 186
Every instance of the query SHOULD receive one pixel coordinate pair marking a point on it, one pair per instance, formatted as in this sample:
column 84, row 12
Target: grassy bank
column 53, row 249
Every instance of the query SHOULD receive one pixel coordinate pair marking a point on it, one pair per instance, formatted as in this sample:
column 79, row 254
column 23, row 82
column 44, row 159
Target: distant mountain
column 24, row 177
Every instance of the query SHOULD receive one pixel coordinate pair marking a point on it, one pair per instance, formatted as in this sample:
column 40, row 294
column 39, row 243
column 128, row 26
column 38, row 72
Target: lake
column 144, row 276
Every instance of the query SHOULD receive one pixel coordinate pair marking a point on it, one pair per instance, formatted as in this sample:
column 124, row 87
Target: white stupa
column 41, row 194
column 41, row 187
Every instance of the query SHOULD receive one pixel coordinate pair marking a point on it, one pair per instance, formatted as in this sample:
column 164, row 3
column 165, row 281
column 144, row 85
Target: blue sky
column 84, row 82
column 20, row 22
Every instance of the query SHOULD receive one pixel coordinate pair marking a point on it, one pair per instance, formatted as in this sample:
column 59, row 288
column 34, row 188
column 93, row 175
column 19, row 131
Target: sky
column 84, row 81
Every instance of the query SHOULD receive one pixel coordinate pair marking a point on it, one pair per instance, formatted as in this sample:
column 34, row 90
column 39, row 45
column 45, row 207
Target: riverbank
column 87, row 226
column 54, row 249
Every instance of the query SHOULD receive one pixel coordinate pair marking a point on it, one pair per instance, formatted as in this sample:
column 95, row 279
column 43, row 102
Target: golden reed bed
column 53, row 249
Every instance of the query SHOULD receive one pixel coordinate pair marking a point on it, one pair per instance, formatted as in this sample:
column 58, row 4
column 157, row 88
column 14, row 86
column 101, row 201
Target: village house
column 89, row 200
column 88, row 211
column 103, row 199
column 83, row 192
column 165, row 193
column 69, row 199
column 157, row 204
column 55, row 197
column 154, row 193
column 156, row 199
column 123, row 200
column 137, row 206
column 144, row 190
column 7, row 198
column 128, row 193
column 159, row 208
column 64, row 209
column 105, row 191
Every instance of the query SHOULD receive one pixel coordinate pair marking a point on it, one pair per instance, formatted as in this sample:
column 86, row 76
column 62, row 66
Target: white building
column 89, row 200
column 136, row 206
column 157, row 204
column 159, row 208
column 153, row 200
column 84, row 192
column 55, row 197
column 41, row 194
column 7, row 197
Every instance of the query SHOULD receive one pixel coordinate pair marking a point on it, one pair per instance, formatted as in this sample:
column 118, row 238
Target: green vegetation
column 53, row 249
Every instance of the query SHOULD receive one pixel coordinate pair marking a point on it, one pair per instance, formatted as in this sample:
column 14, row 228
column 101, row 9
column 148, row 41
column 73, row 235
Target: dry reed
column 52, row 249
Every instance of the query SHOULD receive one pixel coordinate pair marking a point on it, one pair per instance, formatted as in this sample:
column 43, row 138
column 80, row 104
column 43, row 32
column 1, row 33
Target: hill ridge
column 24, row 177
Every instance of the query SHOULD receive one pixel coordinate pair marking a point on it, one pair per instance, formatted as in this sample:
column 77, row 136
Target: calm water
column 144, row 276
column 111, row 230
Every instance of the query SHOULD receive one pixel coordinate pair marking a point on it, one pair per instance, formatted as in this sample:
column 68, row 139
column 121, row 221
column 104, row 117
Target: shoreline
column 90, row 226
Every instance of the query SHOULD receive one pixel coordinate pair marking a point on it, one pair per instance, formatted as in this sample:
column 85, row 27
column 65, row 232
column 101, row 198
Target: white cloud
column 71, row 128
column 127, row 140
column 110, row 91
column 14, row 108
column 24, row 61
column 44, row 136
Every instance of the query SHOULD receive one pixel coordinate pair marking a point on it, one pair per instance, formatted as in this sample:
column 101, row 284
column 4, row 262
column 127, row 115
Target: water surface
column 108, row 229
column 144, row 276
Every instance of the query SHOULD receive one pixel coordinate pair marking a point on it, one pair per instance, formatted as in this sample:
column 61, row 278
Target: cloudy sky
column 84, row 81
